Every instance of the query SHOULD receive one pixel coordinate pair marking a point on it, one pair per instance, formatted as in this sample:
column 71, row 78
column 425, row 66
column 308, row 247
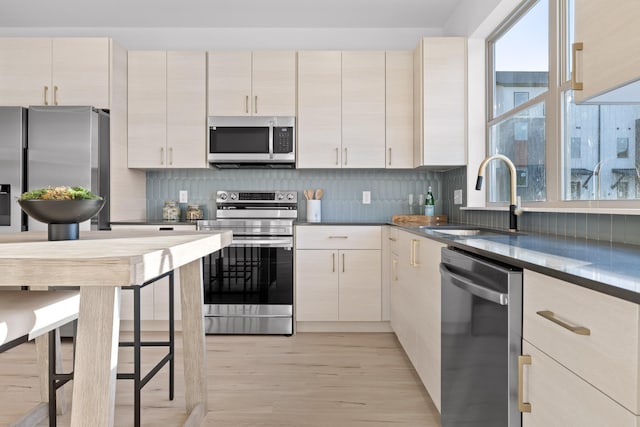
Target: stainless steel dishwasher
column 481, row 341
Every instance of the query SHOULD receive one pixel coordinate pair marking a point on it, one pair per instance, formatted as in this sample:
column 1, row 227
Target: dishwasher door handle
column 473, row 288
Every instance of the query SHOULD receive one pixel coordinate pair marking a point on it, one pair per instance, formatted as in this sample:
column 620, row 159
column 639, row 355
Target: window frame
column 559, row 83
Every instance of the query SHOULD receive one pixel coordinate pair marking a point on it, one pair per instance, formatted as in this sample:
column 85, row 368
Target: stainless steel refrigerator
column 61, row 146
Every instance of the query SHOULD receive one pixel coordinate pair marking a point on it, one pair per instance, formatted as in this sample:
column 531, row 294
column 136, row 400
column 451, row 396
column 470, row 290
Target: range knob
column 290, row 196
column 233, row 196
column 222, row 195
column 280, row 196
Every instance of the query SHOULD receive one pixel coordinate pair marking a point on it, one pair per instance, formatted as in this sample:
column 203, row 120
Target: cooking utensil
column 308, row 194
column 319, row 193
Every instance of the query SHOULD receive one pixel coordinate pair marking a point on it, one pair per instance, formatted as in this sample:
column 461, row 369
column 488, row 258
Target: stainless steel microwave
column 248, row 141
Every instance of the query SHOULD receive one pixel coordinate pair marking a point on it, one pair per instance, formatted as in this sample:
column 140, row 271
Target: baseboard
column 343, row 327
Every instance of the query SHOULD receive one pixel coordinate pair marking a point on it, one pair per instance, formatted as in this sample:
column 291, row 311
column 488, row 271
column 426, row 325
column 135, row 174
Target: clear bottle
column 429, row 203
column 170, row 211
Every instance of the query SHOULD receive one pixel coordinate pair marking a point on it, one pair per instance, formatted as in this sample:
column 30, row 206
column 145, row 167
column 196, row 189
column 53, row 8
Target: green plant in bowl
column 62, row 208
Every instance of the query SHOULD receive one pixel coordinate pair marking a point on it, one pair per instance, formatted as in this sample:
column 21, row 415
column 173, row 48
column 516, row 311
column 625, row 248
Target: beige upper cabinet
column 55, row 71
column 399, row 109
column 341, row 109
column 167, row 109
column 319, row 109
column 363, row 109
column 610, row 55
column 245, row 83
column 440, row 70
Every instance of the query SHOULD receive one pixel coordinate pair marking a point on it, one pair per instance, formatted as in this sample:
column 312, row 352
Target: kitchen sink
column 463, row 231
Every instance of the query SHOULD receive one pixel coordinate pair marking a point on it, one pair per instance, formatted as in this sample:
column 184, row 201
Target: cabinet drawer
column 558, row 397
column 338, row 237
column 608, row 356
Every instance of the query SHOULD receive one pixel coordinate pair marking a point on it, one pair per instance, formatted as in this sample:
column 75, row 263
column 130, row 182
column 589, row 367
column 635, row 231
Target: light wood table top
column 100, row 262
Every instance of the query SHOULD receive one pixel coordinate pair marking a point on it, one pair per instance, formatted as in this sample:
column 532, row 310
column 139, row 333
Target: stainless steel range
column 248, row 286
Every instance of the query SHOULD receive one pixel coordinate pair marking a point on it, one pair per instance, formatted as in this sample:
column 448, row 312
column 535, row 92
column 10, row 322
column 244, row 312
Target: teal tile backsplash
column 342, row 200
column 603, row 227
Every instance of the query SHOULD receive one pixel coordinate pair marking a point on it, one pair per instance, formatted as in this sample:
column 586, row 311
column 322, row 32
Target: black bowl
column 61, row 211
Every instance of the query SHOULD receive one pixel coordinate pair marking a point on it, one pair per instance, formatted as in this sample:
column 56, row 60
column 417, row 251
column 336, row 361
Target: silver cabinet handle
column 392, row 239
column 394, row 264
column 162, row 155
column 343, row 262
column 333, row 262
column 336, row 156
column 549, row 315
column 345, row 156
column 255, row 105
column 389, row 156
column 338, row 237
column 46, row 89
column 171, row 155
column 55, row 95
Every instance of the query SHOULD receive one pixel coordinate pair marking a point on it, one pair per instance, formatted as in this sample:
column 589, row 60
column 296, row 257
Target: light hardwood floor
column 307, row 380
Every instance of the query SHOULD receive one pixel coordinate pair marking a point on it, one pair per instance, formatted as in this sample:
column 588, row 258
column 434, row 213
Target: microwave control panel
column 283, row 139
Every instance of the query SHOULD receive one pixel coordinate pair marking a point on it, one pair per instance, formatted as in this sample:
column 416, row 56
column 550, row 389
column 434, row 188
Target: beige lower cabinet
column 338, row 273
column 154, row 298
column 584, row 350
column 558, row 397
column 415, row 305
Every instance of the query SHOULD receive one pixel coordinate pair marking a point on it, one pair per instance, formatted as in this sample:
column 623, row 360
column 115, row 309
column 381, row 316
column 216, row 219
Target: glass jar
column 170, row 211
column 193, row 213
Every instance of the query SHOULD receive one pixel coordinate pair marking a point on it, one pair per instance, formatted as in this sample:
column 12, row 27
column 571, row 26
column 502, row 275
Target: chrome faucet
column 514, row 208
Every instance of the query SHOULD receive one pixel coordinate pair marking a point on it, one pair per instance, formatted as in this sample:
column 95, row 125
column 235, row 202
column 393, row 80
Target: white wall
column 243, row 38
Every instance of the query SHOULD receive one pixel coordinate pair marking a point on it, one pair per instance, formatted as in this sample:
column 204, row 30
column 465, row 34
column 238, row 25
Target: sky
column 525, row 46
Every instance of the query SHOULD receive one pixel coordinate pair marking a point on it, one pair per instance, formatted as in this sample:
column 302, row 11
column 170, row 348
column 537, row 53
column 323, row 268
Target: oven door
column 248, row 287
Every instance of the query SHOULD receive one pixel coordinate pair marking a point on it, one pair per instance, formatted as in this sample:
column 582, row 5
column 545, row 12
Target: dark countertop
column 610, row 268
column 153, row 222
column 355, row 223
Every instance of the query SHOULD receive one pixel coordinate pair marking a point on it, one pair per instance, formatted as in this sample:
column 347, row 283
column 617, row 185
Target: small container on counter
column 170, row 211
column 193, row 213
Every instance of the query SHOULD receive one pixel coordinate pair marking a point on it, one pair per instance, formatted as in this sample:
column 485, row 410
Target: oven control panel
column 256, row 197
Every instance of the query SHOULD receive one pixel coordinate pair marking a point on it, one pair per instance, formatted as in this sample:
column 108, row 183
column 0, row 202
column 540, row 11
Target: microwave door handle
column 271, row 131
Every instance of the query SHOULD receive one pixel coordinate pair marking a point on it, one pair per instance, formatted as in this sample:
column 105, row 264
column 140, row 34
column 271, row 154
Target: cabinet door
column 147, row 109
column 440, row 94
column 319, row 109
column 360, row 286
column 25, row 71
column 428, row 360
column 402, row 301
column 611, row 53
column 229, row 79
column 186, row 109
column 80, row 71
column 316, row 285
column 560, row 398
column 399, row 109
column 273, row 83
column 363, row 109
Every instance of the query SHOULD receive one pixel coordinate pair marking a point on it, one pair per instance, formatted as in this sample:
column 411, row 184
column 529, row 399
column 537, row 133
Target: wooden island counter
column 100, row 263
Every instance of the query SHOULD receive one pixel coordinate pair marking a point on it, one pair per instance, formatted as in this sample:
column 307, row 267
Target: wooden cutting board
column 410, row 220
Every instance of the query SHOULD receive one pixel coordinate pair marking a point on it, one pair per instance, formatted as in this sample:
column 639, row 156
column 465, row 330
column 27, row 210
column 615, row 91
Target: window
column 520, row 98
column 599, row 144
column 609, row 153
column 519, row 87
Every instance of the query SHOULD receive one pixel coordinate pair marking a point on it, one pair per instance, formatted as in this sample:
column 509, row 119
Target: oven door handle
column 263, row 243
